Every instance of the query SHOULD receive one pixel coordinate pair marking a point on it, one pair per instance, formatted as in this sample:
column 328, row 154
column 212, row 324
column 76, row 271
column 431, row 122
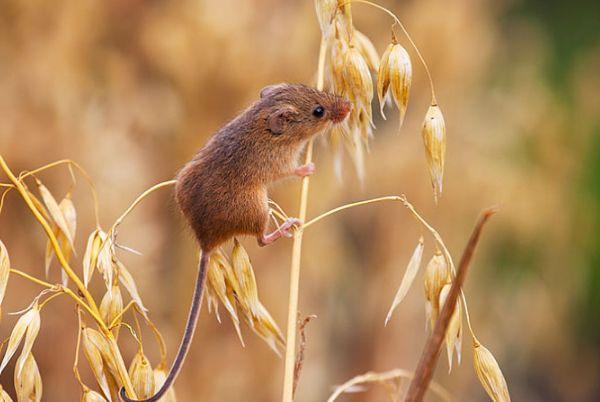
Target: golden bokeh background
column 130, row 88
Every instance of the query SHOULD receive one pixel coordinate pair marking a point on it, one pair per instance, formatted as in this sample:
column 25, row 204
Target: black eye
column 319, row 111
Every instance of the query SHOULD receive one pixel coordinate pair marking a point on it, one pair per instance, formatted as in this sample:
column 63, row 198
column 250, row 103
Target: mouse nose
column 340, row 110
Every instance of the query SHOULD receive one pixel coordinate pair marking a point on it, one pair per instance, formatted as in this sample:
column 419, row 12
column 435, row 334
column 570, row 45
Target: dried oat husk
column 358, row 82
column 4, row 397
column 111, row 307
column 367, row 49
column 383, row 78
column 409, row 276
column 453, row 337
column 326, row 10
column 92, row 396
column 489, row 373
column 28, row 326
column 90, row 257
column 160, row 376
column 142, row 375
column 4, row 270
column 248, row 292
column 94, row 358
column 434, row 139
column 437, row 274
column 28, row 384
column 55, row 212
column 400, row 71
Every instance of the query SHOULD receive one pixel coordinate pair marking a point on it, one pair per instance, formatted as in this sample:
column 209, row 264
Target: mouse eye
column 319, row 111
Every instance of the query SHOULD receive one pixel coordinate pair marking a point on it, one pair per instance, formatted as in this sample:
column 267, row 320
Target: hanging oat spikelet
column 216, row 287
column 91, row 396
column 400, row 71
column 94, row 357
column 28, row 384
column 160, row 376
column 326, row 10
column 129, row 283
column 434, row 139
column 111, row 307
column 453, row 336
column 265, row 326
column 55, row 212
column 358, row 82
column 142, row 375
column 94, row 342
column 90, row 258
column 489, row 373
column 4, row 271
column 366, row 48
column 383, row 78
column 28, row 323
column 437, row 275
column 409, row 276
column 248, row 293
column 4, row 397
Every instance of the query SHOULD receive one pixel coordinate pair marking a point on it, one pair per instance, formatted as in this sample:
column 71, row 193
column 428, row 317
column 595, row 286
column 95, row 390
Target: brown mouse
column 222, row 191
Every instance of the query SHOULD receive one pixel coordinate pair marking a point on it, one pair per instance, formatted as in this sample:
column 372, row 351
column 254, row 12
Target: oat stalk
column 290, row 346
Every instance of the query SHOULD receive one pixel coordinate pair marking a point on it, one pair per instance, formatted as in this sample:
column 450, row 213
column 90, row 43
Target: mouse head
column 297, row 112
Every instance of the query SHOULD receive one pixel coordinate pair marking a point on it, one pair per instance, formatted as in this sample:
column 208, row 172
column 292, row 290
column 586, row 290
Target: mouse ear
column 270, row 89
column 279, row 120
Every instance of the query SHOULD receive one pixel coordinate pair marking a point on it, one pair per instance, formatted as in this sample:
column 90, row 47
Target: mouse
column 222, row 191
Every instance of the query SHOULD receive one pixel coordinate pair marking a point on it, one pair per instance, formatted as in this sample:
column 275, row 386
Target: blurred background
column 130, row 88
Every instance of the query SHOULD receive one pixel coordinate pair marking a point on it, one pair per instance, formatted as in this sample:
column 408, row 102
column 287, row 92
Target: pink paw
column 305, row 170
column 288, row 224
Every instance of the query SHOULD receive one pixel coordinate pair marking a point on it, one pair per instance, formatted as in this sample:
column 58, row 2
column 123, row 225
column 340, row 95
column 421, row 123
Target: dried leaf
column 409, row 276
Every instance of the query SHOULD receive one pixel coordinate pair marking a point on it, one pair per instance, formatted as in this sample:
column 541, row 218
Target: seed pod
column 326, row 10
column 400, row 71
column 111, row 307
column 409, row 276
column 160, row 376
column 434, row 139
column 142, row 376
column 4, row 397
column 92, row 396
column 366, row 48
column 28, row 322
column 4, row 270
column 383, row 78
column 28, row 385
column 453, row 336
column 437, row 275
column 489, row 373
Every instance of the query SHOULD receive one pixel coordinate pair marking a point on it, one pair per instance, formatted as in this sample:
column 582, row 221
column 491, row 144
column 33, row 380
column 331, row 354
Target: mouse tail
column 190, row 327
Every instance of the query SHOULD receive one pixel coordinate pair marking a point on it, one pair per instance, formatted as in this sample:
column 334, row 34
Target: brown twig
column 300, row 357
column 426, row 367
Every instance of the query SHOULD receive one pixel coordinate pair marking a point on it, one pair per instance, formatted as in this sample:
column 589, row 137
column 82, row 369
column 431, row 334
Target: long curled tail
column 190, row 327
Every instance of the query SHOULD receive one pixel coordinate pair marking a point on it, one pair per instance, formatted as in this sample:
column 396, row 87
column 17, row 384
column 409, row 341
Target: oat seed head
column 142, row 375
column 92, row 396
column 400, row 71
column 160, row 376
column 4, row 397
column 28, row 384
column 489, row 373
column 4, row 270
column 434, row 139
column 27, row 325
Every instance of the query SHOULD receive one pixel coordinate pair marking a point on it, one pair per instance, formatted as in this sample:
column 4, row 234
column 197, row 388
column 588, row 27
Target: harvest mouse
column 222, row 191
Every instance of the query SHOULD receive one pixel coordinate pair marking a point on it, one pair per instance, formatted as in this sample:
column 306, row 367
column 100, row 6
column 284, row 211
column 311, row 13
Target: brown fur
column 222, row 191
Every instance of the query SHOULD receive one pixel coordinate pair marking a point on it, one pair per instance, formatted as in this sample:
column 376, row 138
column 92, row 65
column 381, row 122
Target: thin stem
column 161, row 341
column 427, row 363
column 399, row 23
column 81, row 170
column 60, row 293
column 32, row 278
column 352, row 205
column 77, row 349
column 290, row 347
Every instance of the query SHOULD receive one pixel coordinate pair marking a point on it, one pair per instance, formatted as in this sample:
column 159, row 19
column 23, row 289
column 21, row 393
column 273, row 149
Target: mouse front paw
column 305, row 170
